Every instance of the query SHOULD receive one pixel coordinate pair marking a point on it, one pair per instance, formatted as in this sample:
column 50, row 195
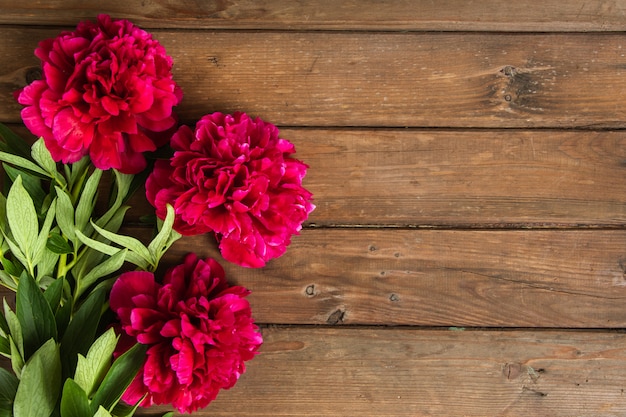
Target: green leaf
column 74, row 401
column 3, row 213
column 17, row 359
column 123, row 183
column 102, row 412
column 15, row 329
column 81, row 331
column 13, row 143
column 11, row 268
column 119, row 377
column 23, row 163
column 40, row 383
column 128, row 242
column 114, row 263
column 166, row 236
column 115, row 222
column 35, row 315
column 112, row 250
column 77, row 171
column 93, row 257
column 8, row 281
column 46, row 265
column 57, row 244
column 91, row 369
column 8, row 385
column 97, row 245
column 125, row 410
column 17, row 252
column 6, row 409
column 5, row 347
column 31, row 183
column 62, row 318
column 65, row 214
column 42, row 156
column 53, row 294
column 87, row 200
column 88, row 260
column 8, row 388
column 4, row 326
column 42, row 238
column 22, row 218
column 45, row 282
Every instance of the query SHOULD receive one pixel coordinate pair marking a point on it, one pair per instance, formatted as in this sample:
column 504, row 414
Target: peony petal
column 232, row 175
column 99, row 80
column 130, row 284
column 202, row 345
column 71, row 134
column 233, row 250
column 183, row 363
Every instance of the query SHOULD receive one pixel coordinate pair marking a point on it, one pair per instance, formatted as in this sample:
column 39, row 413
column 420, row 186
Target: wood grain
column 382, row 79
column 537, row 278
column 493, row 178
column 405, row 372
column 568, row 279
column 471, row 178
column 467, row 254
column 372, row 15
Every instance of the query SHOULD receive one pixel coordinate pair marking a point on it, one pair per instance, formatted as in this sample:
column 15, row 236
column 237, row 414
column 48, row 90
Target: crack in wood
column 531, row 284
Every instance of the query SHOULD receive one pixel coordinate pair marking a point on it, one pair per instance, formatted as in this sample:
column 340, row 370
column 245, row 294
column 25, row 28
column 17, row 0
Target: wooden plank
column 452, row 178
column 568, row 279
column 464, row 178
column 454, row 15
column 405, row 372
column 380, row 79
column 538, row 278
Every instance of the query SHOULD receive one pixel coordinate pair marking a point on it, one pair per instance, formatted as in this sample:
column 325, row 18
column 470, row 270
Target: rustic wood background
column 467, row 256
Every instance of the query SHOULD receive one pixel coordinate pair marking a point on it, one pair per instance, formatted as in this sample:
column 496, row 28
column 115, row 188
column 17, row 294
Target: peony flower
column 233, row 176
column 107, row 92
column 198, row 328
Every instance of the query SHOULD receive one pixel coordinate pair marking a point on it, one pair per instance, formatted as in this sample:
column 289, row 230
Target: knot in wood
column 310, row 290
column 508, row 70
column 512, row 370
column 336, row 317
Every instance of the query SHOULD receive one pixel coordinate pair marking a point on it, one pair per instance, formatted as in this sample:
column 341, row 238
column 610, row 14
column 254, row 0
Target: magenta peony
column 198, row 328
column 233, row 176
column 107, row 92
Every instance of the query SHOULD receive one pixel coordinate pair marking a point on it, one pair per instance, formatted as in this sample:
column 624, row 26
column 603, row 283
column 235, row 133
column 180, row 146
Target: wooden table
column 467, row 256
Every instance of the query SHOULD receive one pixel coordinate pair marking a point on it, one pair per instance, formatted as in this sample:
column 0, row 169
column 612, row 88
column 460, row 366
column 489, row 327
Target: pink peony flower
column 107, row 92
column 233, row 176
column 198, row 328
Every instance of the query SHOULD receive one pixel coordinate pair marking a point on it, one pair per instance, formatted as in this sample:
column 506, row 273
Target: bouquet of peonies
column 96, row 329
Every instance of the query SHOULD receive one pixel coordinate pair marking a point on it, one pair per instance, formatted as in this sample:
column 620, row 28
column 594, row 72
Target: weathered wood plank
column 547, row 278
column 569, row 279
column 405, row 372
column 382, row 79
column 454, row 15
column 452, row 178
column 464, row 178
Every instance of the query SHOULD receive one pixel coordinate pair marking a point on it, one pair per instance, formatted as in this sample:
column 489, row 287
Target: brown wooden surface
column 467, row 161
column 407, row 372
column 380, row 79
column 375, row 15
column 443, row 278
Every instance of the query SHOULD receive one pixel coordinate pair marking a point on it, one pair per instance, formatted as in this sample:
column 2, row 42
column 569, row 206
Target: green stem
column 62, row 269
column 75, row 191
